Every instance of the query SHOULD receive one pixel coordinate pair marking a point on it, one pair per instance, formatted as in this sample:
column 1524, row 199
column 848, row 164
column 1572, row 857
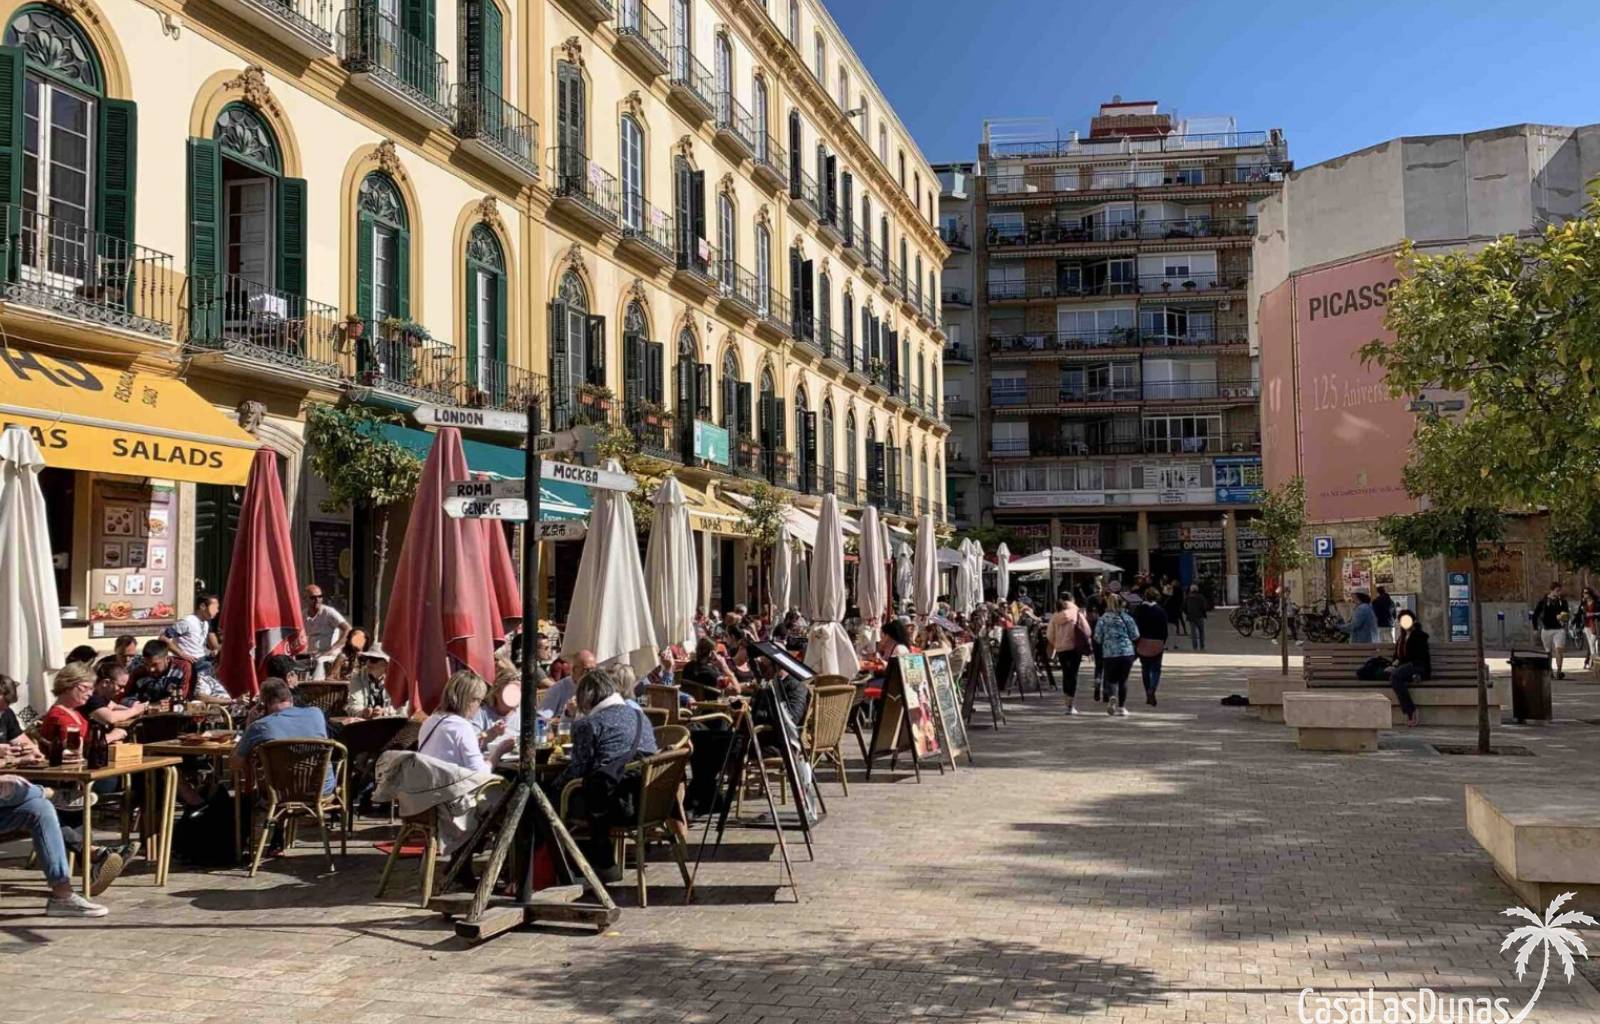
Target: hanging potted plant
column 354, row 327
column 654, row 414
column 595, row 396
column 747, row 445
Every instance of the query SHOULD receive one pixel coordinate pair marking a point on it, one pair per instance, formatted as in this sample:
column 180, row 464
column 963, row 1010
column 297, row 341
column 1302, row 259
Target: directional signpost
column 588, row 476
column 487, row 489
column 514, row 509
column 472, row 419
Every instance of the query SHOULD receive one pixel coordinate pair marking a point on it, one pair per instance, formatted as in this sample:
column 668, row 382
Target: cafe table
column 220, row 751
column 156, row 826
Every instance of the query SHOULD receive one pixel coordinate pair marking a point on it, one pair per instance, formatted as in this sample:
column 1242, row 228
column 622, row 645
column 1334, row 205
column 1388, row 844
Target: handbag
column 1149, row 647
column 1373, row 669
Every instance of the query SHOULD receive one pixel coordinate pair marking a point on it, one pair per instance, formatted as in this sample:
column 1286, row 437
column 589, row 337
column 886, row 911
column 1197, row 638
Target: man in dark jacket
column 1383, row 611
column 1194, row 609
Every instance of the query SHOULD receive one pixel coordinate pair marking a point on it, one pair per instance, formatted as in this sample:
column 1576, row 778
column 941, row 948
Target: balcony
column 642, row 37
column 737, row 292
column 400, row 359
column 1099, row 182
column 393, row 66
column 959, row 461
column 593, row 10
column 736, row 129
column 57, row 267
column 1047, row 344
column 804, row 199
column 848, row 488
column 1191, row 143
column 1049, row 397
column 960, row 298
column 651, row 426
column 246, row 325
column 958, row 408
column 833, row 346
column 696, row 267
column 497, row 132
column 957, row 352
column 871, row 269
column 691, row 84
column 304, row 26
column 772, row 163
column 582, row 189
column 849, row 251
column 877, row 374
column 775, row 321
column 806, row 332
column 1068, row 236
column 1240, row 443
column 956, row 237
column 647, row 232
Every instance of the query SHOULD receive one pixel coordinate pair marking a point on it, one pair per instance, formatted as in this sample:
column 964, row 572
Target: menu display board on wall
column 134, row 532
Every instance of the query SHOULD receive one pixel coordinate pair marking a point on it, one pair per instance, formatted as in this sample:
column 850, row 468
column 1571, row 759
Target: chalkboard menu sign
column 948, row 705
column 1018, row 654
column 981, row 680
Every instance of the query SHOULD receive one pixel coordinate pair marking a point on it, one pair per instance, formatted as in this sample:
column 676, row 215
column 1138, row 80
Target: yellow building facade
column 697, row 220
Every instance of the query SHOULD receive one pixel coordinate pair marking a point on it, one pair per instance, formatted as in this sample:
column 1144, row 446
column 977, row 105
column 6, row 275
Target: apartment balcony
column 774, row 320
column 642, row 37
column 956, row 237
column 594, row 11
column 876, row 373
column 393, row 66
column 958, row 408
column 263, row 331
column 871, row 269
column 497, row 132
column 960, row 462
column 82, row 276
column 771, row 163
column 1047, row 345
column 651, row 426
column 806, row 332
column 691, row 84
column 1050, row 237
column 1237, row 443
column 957, row 352
column 833, row 346
column 959, row 298
column 696, row 270
column 647, row 232
column 737, row 291
column 304, row 26
column 736, row 128
column 1033, row 398
column 402, row 360
column 1054, row 184
column 804, row 199
column 582, row 190
column 850, row 251
column 923, row 311
column 1207, row 143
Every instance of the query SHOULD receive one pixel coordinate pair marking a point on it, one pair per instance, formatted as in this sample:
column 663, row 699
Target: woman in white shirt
column 450, row 733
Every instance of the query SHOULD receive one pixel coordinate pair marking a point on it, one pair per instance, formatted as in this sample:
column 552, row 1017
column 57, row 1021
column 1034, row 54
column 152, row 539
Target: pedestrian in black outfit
column 1151, row 619
column 1194, row 609
column 1383, row 611
column 1412, row 662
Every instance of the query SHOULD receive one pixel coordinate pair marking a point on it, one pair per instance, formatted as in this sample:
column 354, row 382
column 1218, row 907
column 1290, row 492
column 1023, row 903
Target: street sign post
column 563, row 529
column 575, row 440
column 587, row 476
column 1322, row 547
column 514, row 509
column 473, row 419
column 487, row 489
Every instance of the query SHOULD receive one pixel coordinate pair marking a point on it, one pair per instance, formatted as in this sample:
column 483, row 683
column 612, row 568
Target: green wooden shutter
column 746, row 422
column 560, row 373
column 655, row 372
column 780, row 428
column 493, row 33
column 364, row 228
column 473, row 326
column 402, row 273
column 119, row 134
column 595, row 335
column 502, row 326
column 11, row 138
column 730, row 405
column 632, row 371
column 205, row 237
column 292, row 236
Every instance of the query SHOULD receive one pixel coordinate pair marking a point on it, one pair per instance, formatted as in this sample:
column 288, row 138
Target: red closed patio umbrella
column 441, row 616
column 261, row 613
column 505, row 593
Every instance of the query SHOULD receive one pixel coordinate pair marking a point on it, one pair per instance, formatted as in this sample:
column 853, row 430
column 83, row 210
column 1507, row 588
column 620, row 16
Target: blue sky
column 1335, row 78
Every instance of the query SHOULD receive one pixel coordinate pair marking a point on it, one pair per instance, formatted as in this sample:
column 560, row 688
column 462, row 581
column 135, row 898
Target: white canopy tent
column 1075, row 562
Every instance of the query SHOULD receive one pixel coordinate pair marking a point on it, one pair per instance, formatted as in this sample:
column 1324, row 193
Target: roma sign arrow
column 486, row 488
column 587, row 476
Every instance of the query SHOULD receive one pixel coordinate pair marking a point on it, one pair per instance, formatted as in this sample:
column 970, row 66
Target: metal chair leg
column 638, row 860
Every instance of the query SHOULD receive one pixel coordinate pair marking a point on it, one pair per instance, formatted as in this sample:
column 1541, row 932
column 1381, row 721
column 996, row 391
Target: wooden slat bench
column 1449, row 697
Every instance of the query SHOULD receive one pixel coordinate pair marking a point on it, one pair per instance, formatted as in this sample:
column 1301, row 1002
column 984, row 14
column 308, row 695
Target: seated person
column 105, row 704
column 73, row 686
column 500, row 714
column 82, row 655
column 161, row 676
column 608, row 734
column 450, row 733
column 708, row 673
column 281, row 720
column 558, row 698
column 25, row 807
column 347, row 660
column 896, row 639
column 10, row 725
column 664, row 674
column 368, row 692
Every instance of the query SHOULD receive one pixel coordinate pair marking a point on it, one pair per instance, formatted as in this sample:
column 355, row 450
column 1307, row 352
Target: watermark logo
column 1552, row 933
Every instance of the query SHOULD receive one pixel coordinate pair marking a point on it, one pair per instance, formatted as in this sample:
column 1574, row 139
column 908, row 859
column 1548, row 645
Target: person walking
column 1412, row 662
column 1116, row 633
column 1070, row 638
column 1194, row 609
column 1363, row 625
column 1589, row 608
column 1153, row 625
column 1383, row 612
column 1550, row 617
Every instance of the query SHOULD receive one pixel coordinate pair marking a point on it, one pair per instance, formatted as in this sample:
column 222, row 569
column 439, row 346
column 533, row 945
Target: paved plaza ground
column 1185, row 864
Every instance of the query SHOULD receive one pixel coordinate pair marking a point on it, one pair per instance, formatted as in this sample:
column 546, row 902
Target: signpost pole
column 532, row 612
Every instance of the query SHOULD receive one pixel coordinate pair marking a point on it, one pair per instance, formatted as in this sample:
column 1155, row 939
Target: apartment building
column 963, row 460
column 1115, row 387
column 696, row 219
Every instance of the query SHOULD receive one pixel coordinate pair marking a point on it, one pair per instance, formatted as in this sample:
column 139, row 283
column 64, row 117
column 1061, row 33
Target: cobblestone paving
column 1186, row 864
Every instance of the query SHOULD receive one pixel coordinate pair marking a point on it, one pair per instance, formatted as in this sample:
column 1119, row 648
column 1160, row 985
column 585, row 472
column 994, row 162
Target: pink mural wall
column 1280, row 458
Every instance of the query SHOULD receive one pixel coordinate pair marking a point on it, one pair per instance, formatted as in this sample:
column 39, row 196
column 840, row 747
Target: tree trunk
column 1477, row 646
column 1283, row 621
column 383, row 564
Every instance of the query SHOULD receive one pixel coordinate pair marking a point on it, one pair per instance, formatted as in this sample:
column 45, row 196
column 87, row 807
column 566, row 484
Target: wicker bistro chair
column 289, row 776
column 672, row 737
column 333, row 698
column 665, row 698
column 661, row 778
column 822, row 739
column 424, row 827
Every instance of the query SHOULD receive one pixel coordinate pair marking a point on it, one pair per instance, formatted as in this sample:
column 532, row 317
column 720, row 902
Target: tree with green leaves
column 615, row 441
column 1282, row 522
column 762, row 522
column 364, row 471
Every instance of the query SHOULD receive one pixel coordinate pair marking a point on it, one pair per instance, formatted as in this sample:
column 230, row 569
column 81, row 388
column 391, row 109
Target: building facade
column 1115, row 386
column 1325, row 260
column 963, row 455
column 697, row 220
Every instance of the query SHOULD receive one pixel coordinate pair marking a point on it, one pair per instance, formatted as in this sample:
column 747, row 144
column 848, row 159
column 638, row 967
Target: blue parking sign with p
column 1322, row 547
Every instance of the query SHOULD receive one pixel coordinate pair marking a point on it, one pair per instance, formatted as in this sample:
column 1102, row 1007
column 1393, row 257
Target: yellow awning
column 98, row 418
column 709, row 513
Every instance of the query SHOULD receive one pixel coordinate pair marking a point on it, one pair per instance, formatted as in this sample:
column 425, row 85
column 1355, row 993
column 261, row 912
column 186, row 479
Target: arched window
column 805, row 442
column 631, row 161
column 935, row 396
column 383, row 250
column 902, row 156
column 758, row 101
column 724, row 72
column 883, row 243
column 735, row 403
column 904, row 264
column 826, row 449
column 794, row 22
column 693, row 390
column 844, row 88
column 927, row 496
column 916, row 185
column 825, row 315
column 763, row 269
column 486, row 313
column 682, row 39
column 883, row 144
column 577, row 350
column 727, row 241
column 820, row 64
column 921, row 389
column 874, row 488
column 572, row 113
column 851, row 455
column 770, row 429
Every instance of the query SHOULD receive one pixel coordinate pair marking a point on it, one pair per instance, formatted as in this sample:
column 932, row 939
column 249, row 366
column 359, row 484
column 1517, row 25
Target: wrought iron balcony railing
column 648, row 225
column 401, row 358
column 485, row 115
column 639, row 28
column 738, row 285
column 228, row 313
column 691, row 77
column 959, row 296
column 772, row 159
column 591, row 187
column 1141, row 144
column 803, row 189
column 59, row 266
column 373, row 43
column 957, row 352
column 1090, row 179
column 734, row 119
column 1065, row 393
column 1066, row 233
column 955, row 236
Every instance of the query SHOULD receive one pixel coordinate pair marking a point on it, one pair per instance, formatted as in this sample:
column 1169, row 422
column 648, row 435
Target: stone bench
column 1448, row 698
column 1266, row 690
column 1346, row 722
column 1544, row 840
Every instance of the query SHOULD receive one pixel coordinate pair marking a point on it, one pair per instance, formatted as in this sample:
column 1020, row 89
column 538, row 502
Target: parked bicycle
column 1255, row 613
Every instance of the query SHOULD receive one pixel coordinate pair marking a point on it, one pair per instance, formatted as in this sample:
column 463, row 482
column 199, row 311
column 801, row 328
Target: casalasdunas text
column 1425, row 1006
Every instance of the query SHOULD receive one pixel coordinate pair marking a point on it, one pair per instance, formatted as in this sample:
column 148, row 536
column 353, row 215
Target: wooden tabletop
column 80, row 774
column 175, row 748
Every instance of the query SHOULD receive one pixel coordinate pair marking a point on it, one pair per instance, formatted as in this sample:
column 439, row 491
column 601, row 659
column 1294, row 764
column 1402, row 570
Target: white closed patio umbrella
column 800, row 585
column 610, row 613
column 829, row 649
column 962, row 591
column 925, row 570
column 782, row 573
column 903, row 576
column 872, row 585
column 1002, row 572
column 977, row 574
column 672, row 576
column 30, row 609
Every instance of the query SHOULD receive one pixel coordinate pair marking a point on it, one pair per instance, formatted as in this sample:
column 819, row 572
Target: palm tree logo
column 1547, row 933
